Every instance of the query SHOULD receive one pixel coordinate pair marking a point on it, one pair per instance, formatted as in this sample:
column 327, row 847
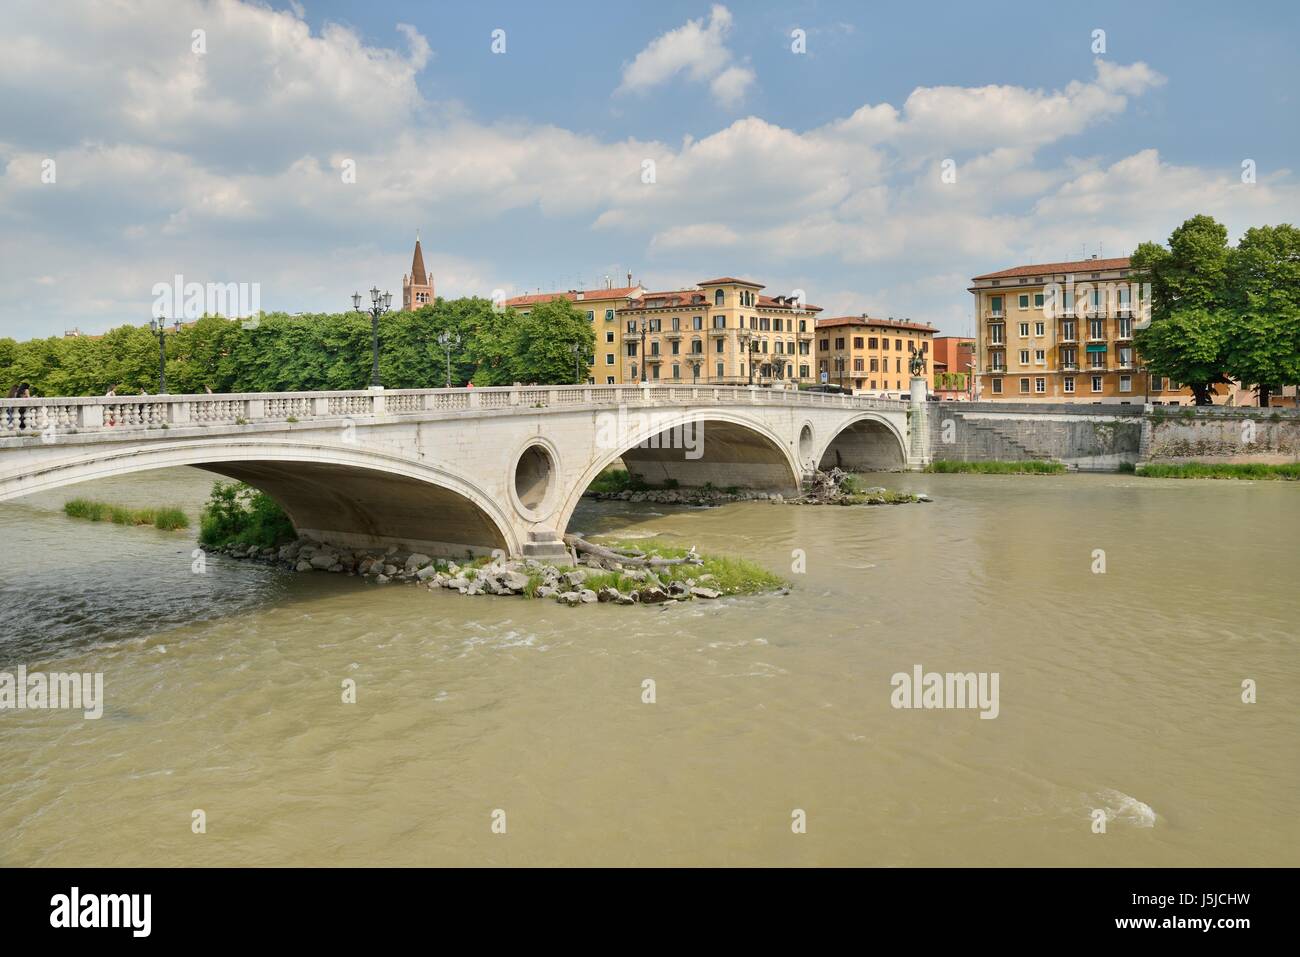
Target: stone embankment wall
column 1104, row 437
column 1086, row 437
column 1219, row 434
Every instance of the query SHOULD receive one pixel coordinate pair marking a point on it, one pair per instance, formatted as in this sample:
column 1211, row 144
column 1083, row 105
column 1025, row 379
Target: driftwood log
column 635, row 559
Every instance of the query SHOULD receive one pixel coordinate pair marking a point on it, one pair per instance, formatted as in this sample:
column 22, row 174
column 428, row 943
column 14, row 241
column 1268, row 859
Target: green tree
column 1191, row 305
column 1263, row 343
column 541, row 342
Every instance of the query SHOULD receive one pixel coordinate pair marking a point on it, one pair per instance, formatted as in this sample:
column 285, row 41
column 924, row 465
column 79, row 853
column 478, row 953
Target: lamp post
column 695, row 372
column 839, row 369
column 448, row 341
column 644, row 327
column 159, row 326
column 379, row 304
column 578, row 354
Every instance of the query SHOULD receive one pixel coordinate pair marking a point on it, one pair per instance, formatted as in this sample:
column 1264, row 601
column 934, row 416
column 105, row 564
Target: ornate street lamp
column 695, row 371
column 448, row 341
column 839, row 368
column 644, row 326
column 579, row 354
column 159, row 327
column 379, row 304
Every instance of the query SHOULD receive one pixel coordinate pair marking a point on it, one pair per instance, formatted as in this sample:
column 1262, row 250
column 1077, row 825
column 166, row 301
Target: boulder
column 425, row 573
column 323, row 560
column 706, row 592
column 514, row 581
column 545, row 591
column 569, row 598
column 382, row 579
column 303, row 566
column 416, row 561
column 651, row 594
column 608, row 593
column 587, row 596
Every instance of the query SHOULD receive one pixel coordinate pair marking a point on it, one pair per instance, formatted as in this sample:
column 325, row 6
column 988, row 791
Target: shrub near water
column 239, row 514
column 1030, row 467
column 168, row 518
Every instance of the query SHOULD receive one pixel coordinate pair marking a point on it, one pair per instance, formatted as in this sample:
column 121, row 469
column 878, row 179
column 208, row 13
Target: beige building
column 872, row 355
column 1063, row 332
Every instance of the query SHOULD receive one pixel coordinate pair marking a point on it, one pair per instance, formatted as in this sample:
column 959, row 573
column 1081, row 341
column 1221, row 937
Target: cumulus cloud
column 697, row 49
column 227, row 167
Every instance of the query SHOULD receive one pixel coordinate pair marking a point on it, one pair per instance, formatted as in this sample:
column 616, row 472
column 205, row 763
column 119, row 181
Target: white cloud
column 698, row 50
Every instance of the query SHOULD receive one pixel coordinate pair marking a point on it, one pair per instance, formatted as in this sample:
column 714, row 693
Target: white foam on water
column 1127, row 808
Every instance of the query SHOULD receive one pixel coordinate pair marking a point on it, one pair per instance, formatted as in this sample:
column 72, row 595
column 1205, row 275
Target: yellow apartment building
column 871, row 355
column 1063, row 332
column 723, row 331
column 603, row 308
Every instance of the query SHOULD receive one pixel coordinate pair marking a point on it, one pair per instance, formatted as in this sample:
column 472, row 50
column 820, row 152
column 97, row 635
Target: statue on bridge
column 916, row 364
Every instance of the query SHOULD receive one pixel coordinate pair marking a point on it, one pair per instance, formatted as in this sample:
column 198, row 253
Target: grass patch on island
column 1289, row 471
column 731, row 576
column 1030, row 467
column 168, row 518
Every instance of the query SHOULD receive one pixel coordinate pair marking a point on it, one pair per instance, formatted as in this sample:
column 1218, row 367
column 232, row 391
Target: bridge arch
column 867, row 442
column 340, row 493
column 734, row 450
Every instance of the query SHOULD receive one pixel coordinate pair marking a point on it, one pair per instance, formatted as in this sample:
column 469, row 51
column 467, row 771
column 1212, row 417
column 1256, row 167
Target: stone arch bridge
column 456, row 470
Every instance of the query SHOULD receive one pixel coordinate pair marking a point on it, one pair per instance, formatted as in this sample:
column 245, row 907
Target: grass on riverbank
column 731, row 576
column 1030, row 467
column 168, row 518
column 1222, row 470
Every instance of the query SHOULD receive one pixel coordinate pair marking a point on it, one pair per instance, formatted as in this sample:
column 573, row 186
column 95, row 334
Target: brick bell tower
column 417, row 288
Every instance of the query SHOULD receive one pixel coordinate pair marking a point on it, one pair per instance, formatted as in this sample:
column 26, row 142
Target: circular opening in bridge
column 533, row 476
column 805, row 443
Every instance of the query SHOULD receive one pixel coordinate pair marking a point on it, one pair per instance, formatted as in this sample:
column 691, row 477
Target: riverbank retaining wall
column 1106, row 437
column 1221, row 434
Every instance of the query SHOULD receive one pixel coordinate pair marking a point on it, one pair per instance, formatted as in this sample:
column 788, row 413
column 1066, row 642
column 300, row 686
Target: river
column 1119, row 692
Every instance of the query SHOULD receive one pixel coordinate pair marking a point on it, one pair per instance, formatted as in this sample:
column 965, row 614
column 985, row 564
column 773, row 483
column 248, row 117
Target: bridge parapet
column 118, row 414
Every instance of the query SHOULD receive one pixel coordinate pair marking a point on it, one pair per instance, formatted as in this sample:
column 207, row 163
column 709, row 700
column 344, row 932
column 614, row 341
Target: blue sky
column 819, row 171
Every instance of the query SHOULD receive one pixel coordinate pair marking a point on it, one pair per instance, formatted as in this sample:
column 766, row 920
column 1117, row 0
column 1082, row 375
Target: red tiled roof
column 771, row 303
column 731, row 279
column 621, row 292
column 1042, row 269
column 899, row 324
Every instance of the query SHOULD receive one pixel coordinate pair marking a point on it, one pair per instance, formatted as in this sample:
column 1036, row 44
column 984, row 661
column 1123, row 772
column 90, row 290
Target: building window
column 839, row 343
column 609, row 315
column 717, row 297
column 1024, row 386
column 995, row 334
column 1157, row 383
column 1040, row 356
column 720, row 372
column 997, row 386
column 1096, row 383
column 1067, row 330
column 803, row 372
column 591, row 316
column 1038, row 301
column 1040, row 385
column 873, row 343
column 677, row 347
column 857, row 342
column 677, row 371
column 718, row 344
column 609, row 335
column 609, row 358
column 631, row 349
column 884, row 343
column 654, row 373
column 1024, row 302
column 1024, row 357
column 609, row 380
column 1024, row 330
column 719, row 322
column 875, row 364
column 1068, row 385
column 1126, row 383
column 898, row 345
column 857, row 366
column 1096, row 329
column 1039, row 329
column 995, row 305
column 697, row 323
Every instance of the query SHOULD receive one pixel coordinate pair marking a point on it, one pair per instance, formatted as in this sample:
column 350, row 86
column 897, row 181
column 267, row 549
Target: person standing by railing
column 21, row 391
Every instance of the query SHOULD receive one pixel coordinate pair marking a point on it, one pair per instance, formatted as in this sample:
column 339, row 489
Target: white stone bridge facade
column 455, row 470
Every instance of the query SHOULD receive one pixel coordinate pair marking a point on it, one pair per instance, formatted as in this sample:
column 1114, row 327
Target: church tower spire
column 417, row 288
